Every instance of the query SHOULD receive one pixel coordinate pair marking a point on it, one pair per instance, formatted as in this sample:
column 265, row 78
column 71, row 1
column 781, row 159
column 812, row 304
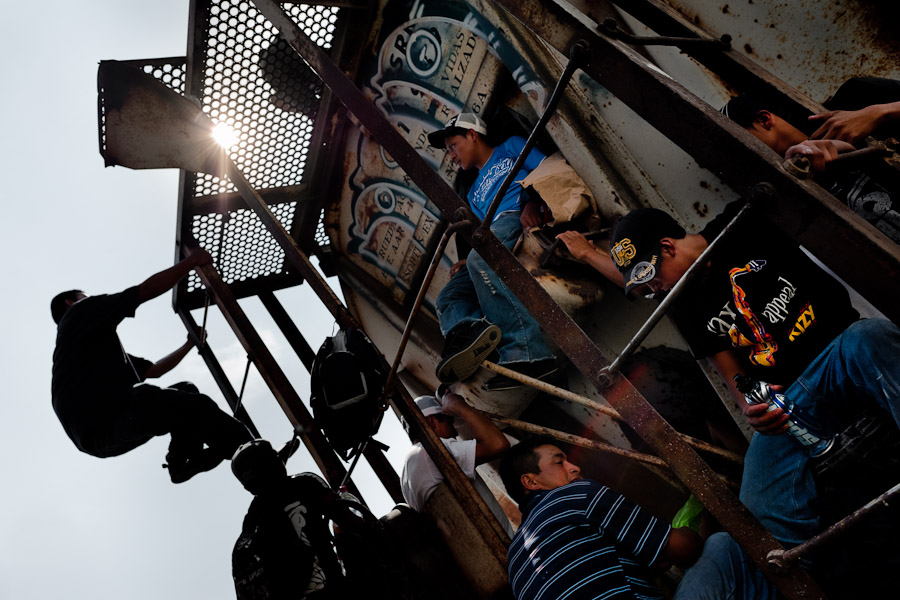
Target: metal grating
column 255, row 84
column 170, row 71
column 246, row 249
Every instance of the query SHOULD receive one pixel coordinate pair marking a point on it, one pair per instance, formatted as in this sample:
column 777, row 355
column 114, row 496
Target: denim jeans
column 859, row 367
column 724, row 572
column 477, row 293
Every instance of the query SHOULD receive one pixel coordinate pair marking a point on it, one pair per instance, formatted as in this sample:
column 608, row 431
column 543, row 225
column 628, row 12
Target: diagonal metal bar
column 695, row 473
column 373, row 453
column 852, row 248
column 218, row 374
column 695, row 271
column 575, row 53
column 278, row 383
column 483, row 519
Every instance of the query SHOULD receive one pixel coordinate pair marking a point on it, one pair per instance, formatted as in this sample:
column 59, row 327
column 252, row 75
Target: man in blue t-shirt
column 580, row 540
column 477, row 312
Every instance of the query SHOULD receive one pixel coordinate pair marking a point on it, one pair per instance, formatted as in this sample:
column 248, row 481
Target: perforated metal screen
column 255, row 85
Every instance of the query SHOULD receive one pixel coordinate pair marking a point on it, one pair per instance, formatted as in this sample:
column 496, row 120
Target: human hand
column 531, row 215
column 460, row 264
column 847, row 125
column 198, row 256
column 579, row 246
column 765, row 421
column 819, row 152
column 452, row 404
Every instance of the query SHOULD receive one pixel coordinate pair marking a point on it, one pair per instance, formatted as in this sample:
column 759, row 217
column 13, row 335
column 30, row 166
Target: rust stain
column 748, row 49
column 725, row 10
column 701, row 209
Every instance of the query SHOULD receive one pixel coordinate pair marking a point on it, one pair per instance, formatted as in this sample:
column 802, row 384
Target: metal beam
column 215, row 369
column 569, row 337
column 329, row 463
column 374, row 454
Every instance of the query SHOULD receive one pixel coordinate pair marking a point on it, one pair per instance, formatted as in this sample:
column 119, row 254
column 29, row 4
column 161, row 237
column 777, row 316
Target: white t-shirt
column 421, row 476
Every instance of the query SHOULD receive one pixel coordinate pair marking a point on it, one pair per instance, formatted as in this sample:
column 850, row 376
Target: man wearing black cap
column 870, row 106
column 762, row 307
column 477, row 312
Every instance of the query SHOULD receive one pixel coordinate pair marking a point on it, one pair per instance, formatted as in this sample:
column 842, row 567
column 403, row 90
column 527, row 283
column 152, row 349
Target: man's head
column 536, row 464
column 257, row 466
column 647, row 249
column 764, row 125
column 440, row 424
column 62, row 301
column 465, row 138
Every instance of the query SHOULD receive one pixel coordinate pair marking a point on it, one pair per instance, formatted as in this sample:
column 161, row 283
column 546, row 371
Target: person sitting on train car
column 861, row 107
column 420, row 476
column 477, row 312
column 762, row 307
column 582, row 540
column 99, row 393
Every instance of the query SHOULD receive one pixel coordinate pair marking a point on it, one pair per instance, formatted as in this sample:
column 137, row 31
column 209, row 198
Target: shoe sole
column 464, row 363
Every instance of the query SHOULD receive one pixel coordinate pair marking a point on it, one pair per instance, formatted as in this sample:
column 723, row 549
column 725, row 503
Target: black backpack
column 346, row 383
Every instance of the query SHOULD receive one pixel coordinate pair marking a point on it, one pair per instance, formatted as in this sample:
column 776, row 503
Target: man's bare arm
column 853, row 125
column 586, row 251
column 159, row 283
column 489, row 440
column 169, row 362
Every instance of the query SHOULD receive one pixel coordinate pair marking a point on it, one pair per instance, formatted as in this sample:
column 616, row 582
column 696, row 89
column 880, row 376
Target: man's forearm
column 168, row 362
column 159, row 283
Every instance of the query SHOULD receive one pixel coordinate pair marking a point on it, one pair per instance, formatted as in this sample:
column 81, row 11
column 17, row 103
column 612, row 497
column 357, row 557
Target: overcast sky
column 71, row 525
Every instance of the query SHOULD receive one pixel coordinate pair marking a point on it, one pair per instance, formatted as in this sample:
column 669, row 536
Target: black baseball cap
column 743, row 110
column 635, row 246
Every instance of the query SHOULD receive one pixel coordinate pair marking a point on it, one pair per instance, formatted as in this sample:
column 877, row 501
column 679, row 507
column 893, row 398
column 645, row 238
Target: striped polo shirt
column 584, row 541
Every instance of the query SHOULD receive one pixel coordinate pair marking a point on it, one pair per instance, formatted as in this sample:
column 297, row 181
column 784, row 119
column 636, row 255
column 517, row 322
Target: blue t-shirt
column 584, row 541
column 494, row 171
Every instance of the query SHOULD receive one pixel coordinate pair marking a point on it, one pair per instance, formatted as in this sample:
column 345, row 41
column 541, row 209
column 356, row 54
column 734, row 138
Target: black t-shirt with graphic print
column 763, row 296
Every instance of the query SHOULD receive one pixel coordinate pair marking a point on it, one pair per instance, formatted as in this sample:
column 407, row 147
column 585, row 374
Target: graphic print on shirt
column 296, row 512
column 762, row 345
column 491, row 176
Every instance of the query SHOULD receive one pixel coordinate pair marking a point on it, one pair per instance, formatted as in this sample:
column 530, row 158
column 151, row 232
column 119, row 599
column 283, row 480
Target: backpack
column 346, row 383
column 271, row 561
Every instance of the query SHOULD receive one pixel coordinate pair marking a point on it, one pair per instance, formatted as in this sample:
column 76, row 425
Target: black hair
column 519, row 460
column 58, row 306
column 743, row 110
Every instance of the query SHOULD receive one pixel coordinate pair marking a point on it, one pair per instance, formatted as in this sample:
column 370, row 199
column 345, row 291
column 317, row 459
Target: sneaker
column 182, row 469
column 467, row 345
column 541, row 369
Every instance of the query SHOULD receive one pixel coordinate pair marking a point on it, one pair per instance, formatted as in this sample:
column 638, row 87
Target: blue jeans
column 860, row 366
column 724, row 572
column 477, row 293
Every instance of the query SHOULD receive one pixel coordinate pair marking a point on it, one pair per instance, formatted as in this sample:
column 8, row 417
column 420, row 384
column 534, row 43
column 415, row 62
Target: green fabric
column 689, row 514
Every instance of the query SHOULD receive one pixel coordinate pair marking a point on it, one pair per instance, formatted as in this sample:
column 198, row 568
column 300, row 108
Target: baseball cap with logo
column 635, row 246
column 461, row 121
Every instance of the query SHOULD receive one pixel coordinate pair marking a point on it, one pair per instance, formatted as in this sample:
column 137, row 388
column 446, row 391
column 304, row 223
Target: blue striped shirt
column 584, row 541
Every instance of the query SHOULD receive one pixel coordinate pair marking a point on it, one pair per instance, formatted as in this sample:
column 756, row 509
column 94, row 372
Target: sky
column 71, row 525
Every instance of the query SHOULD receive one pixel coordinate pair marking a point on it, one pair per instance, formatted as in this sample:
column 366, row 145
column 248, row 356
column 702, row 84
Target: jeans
column 859, row 368
column 477, row 293
column 724, row 572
